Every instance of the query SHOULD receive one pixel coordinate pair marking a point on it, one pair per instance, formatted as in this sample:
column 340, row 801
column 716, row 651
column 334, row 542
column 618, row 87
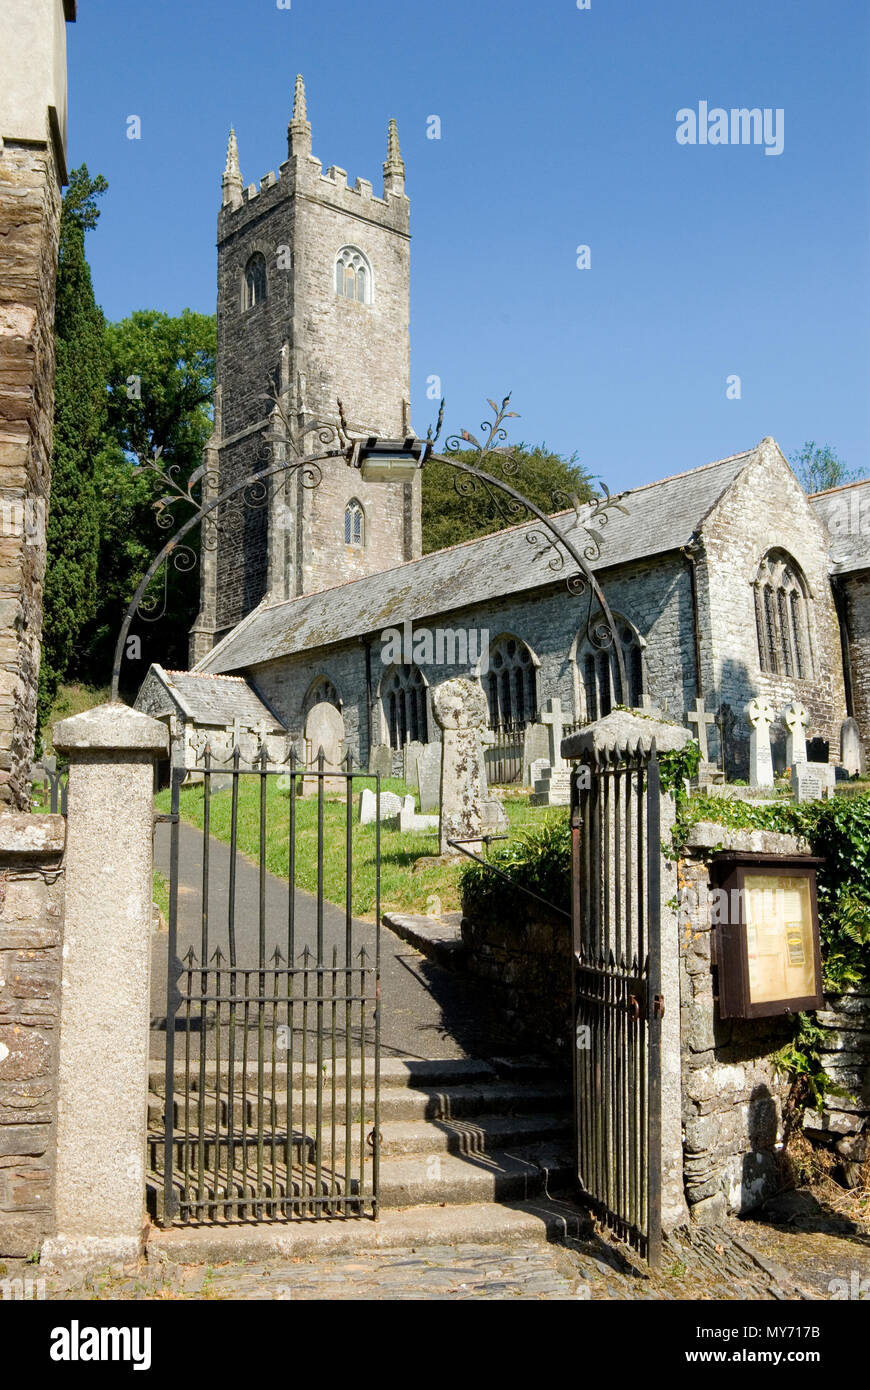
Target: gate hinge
column 658, row 1008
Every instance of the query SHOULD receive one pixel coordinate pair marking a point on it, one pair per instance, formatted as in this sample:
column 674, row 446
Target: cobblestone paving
column 701, row 1266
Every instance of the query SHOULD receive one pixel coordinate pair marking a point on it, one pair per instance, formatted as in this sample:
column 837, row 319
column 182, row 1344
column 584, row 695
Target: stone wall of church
column 856, row 592
column 29, row 230
column 656, row 599
column 765, row 509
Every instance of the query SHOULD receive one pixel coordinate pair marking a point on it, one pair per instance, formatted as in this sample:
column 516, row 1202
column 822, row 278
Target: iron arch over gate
column 272, row 1074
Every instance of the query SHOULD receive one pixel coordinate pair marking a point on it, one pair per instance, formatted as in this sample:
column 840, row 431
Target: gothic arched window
column 255, row 280
column 782, row 617
column 511, row 684
column 599, row 673
column 353, row 275
column 321, row 692
column 354, row 523
column 404, row 698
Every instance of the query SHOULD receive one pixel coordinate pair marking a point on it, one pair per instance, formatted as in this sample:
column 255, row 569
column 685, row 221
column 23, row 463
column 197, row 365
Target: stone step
column 397, row 1228
column 499, row 1175
column 395, row 1071
column 396, row 1103
column 484, row 1134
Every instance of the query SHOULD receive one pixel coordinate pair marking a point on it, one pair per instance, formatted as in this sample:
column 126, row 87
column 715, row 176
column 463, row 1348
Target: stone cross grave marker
column 851, row 752
column 460, row 711
column 795, row 717
column 649, row 707
column 699, row 716
column 761, row 715
column 552, row 717
column 553, row 786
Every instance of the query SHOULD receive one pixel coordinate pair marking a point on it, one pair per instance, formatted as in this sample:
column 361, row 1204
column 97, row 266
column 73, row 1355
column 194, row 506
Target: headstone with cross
column 553, row 786
column 761, row 715
column 699, row 716
column 795, row 718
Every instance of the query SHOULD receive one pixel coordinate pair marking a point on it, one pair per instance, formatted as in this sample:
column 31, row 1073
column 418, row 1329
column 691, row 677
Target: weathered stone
column 851, row 749
column 381, row 761
column 429, row 777
column 391, row 805
column 622, row 729
column 761, row 715
column 460, row 710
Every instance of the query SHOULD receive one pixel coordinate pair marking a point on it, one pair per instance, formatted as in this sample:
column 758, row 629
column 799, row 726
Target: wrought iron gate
column 273, row 1014
column 616, row 911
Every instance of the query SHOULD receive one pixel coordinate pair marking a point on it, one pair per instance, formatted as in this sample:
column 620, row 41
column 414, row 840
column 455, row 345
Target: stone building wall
column 764, row 509
column 732, row 1093
column 30, row 203
column 31, row 941
column 655, row 598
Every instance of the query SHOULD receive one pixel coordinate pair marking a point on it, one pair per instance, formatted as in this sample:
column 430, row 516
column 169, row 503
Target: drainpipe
column 367, row 644
column 689, row 553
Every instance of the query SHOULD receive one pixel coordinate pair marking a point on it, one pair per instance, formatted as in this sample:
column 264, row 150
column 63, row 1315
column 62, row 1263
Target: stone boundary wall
column 525, row 962
column 30, row 205
column 844, row 1123
column 732, row 1093
column 31, row 941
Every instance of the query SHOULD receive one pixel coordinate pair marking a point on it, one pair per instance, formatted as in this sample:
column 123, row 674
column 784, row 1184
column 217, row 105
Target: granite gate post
column 105, row 988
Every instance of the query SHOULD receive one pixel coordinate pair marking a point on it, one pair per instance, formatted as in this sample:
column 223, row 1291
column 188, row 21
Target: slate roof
column 658, row 517
column 211, row 699
column 845, row 512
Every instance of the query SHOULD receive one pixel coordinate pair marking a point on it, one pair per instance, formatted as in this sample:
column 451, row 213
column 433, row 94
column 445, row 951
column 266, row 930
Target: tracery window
column 354, row 523
column 599, row 673
column 321, row 692
column 782, row 617
column 353, row 275
column 511, row 684
column 255, row 287
column 404, row 700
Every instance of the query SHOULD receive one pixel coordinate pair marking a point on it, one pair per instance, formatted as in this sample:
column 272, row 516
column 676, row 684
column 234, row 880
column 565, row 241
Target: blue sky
column 558, row 129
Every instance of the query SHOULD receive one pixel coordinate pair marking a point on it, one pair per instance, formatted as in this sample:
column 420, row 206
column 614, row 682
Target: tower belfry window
column 255, row 287
column 354, row 524
column 353, row 275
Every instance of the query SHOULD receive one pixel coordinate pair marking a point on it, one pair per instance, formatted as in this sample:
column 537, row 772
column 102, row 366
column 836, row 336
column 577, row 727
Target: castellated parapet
column 293, row 328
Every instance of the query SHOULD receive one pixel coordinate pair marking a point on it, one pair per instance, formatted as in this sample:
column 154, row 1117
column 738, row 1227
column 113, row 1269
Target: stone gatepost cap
column 623, row 728
column 112, row 727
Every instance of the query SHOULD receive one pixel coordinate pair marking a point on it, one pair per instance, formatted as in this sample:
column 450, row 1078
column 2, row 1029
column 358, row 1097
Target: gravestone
column 429, row 776
column 410, row 821
column 761, row 714
column 380, row 760
column 411, row 752
column 324, row 729
column 795, row 718
column 851, row 751
column 536, row 771
column 699, row 716
column 553, row 786
column 391, row 805
column 536, row 750
column 461, row 712
column 818, row 750
column 806, row 784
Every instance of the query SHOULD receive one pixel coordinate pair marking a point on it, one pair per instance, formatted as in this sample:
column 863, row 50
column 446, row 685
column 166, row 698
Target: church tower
column 313, row 300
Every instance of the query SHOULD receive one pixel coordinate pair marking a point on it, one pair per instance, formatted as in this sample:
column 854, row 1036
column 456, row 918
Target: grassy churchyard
column 402, row 888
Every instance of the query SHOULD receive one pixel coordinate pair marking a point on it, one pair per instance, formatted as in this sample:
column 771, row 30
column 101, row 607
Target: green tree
column 160, row 377
column 454, row 512
column 818, row 467
column 69, row 597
